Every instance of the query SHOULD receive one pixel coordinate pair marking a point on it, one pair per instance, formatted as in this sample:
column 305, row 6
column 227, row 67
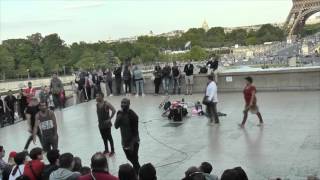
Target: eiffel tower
column 300, row 12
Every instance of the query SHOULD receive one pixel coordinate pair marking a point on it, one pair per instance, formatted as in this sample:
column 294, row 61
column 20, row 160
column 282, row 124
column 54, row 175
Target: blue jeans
column 166, row 84
column 139, row 86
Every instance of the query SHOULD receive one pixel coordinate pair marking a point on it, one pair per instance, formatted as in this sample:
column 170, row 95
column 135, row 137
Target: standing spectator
column 81, row 81
column 96, row 82
column 99, row 166
column 105, row 124
column 166, row 76
column 66, row 162
column 43, row 95
column 47, row 124
column 56, row 87
column 126, row 172
column 157, row 78
column 213, row 65
column 206, row 168
column 188, row 69
column 212, row 97
column 3, row 164
column 33, row 169
column 87, row 88
column 117, row 74
column 22, row 99
column 53, row 158
column 127, row 80
column 138, row 78
column 10, row 102
column 18, row 169
column 250, row 98
column 176, row 74
column 2, row 106
column 127, row 121
column 147, row 172
column 108, row 75
column 32, row 110
column 29, row 92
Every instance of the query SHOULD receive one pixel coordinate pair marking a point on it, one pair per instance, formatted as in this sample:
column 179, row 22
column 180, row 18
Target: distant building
column 250, row 28
column 175, row 33
column 205, row 25
column 313, row 20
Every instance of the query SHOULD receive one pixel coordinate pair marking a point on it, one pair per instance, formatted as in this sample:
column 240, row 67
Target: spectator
column 193, row 173
column 166, row 76
column 81, row 81
column 11, row 163
column 99, row 166
column 206, row 168
column 108, row 75
column 241, row 173
column 22, row 99
column 176, row 75
column 29, row 92
column 3, row 164
column 1, row 112
column 138, row 78
column 188, row 69
column 96, row 79
column 147, row 172
column 10, row 101
column 19, row 168
column 126, row 172
column 53, row 158
column 11, row 157
column 85, row 170
column 56, row 87
column 33, row 169
column 77, row 164
column 117, row 75
column 230, row 174
column 127, row 80
column 66, row 162
column 157, row 78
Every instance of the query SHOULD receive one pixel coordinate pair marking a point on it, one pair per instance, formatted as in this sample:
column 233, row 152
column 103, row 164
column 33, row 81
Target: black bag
column 175, row 114
column 206, row 100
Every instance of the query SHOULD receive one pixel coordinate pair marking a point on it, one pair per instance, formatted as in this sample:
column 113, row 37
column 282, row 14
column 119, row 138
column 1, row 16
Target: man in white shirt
column 212, row 93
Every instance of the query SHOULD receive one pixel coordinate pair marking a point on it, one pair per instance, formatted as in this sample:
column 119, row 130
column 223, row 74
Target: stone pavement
column 287, row 146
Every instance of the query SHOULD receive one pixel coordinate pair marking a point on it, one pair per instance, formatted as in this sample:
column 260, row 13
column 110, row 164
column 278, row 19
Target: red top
column 99, row 176
column 247, row 93
column 30, row 92
column 37, row 167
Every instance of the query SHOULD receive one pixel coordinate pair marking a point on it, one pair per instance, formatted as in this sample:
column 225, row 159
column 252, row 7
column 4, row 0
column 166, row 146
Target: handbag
column 206, row 100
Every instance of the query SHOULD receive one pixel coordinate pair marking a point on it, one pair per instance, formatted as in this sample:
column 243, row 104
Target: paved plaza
column 287, row 146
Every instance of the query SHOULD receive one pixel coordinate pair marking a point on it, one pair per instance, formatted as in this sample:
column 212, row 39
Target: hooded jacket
column 64, row 174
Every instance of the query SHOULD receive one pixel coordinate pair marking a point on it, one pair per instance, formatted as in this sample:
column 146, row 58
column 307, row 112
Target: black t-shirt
column 1, row 107
column 32, row 110
column 10, row 100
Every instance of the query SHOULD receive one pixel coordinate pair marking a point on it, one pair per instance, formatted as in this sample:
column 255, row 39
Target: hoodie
column 64, row 174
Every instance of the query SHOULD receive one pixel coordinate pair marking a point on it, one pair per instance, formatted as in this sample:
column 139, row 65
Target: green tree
column 197, row 53
column 6, row 63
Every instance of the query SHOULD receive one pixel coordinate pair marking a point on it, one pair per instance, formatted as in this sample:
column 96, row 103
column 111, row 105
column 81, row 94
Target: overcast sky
column 94, row 20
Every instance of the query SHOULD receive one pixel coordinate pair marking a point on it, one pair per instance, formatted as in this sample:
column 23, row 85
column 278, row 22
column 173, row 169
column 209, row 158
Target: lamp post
column 64, row 70
column 28, row 71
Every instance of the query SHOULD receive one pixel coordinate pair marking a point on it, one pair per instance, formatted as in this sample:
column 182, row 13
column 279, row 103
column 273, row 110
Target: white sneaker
column 111, row 95
column 143, row 94
column 137, row 95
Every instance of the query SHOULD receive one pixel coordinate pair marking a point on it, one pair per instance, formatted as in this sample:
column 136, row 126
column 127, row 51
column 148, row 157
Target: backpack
column 22, row 176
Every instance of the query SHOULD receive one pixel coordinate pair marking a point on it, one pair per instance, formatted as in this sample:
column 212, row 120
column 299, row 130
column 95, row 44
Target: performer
column 46, row 122
column 249, row 93
column 105, row 124
column 127, row 121
column 212, row 94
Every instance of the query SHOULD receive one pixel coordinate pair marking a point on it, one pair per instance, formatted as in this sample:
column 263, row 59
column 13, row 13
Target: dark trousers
column 127, row 84
column 110, row 86
column 118, row 86
column 132, row 156
column 11, row 114
column 176, row 85
column 50, row 142
column 87, row 93
column 212, row 112
column 106, row 136
column 30, row 139
column 22, row 113
column 157, row 82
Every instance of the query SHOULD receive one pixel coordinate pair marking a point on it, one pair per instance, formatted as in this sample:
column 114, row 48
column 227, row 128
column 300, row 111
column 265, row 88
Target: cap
column 12, row 154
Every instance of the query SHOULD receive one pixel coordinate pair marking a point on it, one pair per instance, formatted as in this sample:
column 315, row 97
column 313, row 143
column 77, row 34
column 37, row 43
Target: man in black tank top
column 105, row 124
column 46, row 121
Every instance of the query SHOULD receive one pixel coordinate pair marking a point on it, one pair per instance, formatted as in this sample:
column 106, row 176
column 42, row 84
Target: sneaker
column 111, row 95
column 241, row 126
column 137, row 95
column 143, row 94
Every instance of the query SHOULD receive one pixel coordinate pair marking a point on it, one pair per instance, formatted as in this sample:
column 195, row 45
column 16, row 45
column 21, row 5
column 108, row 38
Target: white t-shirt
column 212, row 91
column 18, row 173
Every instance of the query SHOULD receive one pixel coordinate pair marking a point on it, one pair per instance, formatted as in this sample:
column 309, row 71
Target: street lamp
column 28, row 71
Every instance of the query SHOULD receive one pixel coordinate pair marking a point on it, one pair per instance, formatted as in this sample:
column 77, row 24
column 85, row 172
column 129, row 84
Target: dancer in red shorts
column 250, row 98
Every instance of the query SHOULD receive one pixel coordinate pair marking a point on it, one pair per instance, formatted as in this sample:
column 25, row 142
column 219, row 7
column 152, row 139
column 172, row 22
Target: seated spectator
column 85, row 170
column 33, row 169
column 18, row 169
column 64, row 172
column 236, row 173
column 147, row 172
column 99, row 166
column 11, row 163
column 53, row 158
column 193, row 173
column 77, row 164
column 126, row 172
column 206, row 168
